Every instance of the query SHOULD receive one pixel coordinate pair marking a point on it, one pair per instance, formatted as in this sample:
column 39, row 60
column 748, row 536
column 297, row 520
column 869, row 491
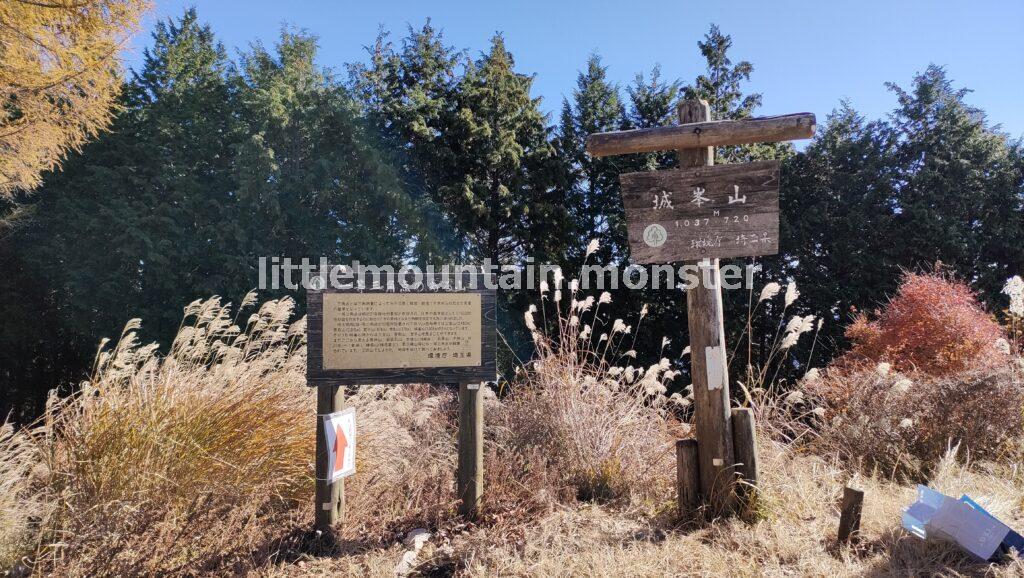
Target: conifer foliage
column 426, row 153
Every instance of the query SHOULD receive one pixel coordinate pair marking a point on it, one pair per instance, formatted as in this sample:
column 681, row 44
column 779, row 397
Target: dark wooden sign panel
column 388, row 335
column 704, row 212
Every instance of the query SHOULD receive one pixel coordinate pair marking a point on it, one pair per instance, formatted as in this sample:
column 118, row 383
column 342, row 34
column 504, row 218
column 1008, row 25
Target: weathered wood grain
column 849, row 514
column 330, row 496
column 709, row 369
column 687, row 477
column 694, row 134
column 316, row 374
column 692, row 113
column 470, row 475
column 696, row 228
column 744, row 442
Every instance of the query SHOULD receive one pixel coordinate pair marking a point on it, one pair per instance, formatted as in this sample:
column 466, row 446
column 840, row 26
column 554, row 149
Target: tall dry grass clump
column 21, row 507
column 581, row 411
column 182, row 464
column 201, row 461
column 405, row 461
column 903, row 424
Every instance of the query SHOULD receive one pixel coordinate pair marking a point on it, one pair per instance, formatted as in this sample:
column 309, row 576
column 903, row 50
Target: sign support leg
column 330, row 496
column 708, row 355
column 470, row 478
column 744, row 441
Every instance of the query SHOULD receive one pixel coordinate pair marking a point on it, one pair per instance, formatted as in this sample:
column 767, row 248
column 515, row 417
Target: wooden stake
column 708, row 354
column 470, row 478
column 849, row 514
column 330, row 497
column 687, row 477
column 744, row 443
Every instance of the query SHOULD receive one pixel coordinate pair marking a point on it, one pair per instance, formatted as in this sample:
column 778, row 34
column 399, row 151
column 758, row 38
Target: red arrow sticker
column 340, row 443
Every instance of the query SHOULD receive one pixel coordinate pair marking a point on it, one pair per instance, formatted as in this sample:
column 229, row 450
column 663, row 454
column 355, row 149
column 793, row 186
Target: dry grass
column 581, row 410
column 21, row 507
column 903, row 424
column 794, row 537
column 934, row 370
column 405, row 463
column 200, row 463
column 199, row 458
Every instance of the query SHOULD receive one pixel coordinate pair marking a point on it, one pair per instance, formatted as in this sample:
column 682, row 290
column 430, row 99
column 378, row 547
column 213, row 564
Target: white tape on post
column 715, row 362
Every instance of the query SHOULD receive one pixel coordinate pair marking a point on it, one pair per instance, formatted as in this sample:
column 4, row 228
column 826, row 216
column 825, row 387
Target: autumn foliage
column 933, row 325
column 930, row 371
column 59, row 79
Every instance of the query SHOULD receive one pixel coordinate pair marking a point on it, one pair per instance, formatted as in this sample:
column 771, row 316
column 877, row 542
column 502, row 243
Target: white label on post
column 340, row 428
column 715, row 362
column 474, row 385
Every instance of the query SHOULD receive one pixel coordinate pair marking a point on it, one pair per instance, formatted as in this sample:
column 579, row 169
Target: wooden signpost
column 384, row 334
column 703, row 213
column 689, row 215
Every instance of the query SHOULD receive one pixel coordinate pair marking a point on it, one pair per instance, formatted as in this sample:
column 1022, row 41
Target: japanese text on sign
column 704, row 212
column 375, row 330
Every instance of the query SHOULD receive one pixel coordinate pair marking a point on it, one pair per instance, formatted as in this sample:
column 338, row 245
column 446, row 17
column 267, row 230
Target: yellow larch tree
column 59, row 79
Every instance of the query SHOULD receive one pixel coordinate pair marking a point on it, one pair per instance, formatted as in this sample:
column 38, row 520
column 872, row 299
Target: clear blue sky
column 806, row 55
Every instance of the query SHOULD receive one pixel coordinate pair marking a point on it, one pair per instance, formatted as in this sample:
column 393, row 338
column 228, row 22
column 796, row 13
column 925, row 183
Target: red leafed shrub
column 929, row 371
column 934, row 325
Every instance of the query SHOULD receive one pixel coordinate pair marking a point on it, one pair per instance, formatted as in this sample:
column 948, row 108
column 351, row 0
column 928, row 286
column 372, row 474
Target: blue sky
column 807, row 56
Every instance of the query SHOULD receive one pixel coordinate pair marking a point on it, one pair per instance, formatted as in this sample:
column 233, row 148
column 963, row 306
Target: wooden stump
column 744, row 436
column 687, row 477
column 849, row 514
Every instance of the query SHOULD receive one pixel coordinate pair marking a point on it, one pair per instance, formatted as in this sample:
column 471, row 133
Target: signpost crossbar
column 695, row 134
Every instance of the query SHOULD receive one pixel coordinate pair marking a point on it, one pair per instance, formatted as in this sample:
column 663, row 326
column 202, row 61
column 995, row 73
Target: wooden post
column 687, row 477
column 744, row 443
column 470, row 478
column 849, row 514
column 330, row 497
column 709, row 370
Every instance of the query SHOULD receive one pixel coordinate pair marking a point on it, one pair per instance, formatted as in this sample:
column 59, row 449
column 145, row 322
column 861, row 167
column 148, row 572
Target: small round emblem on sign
column 655, row 235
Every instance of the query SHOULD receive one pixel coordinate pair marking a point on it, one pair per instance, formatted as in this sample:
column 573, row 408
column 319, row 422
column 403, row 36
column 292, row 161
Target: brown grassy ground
column 795, row 535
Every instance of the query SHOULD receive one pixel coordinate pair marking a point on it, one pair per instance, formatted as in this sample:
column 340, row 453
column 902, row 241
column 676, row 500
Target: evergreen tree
column 500, row 193
column 131, row 227
column 652, row 101
column 840, row 187
column 311, row 183
column 206, row 170
column 134, row 222
column 933, row 183
column 721, row 86
column 408, row 98
column 958, row 187
column 592, row 183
